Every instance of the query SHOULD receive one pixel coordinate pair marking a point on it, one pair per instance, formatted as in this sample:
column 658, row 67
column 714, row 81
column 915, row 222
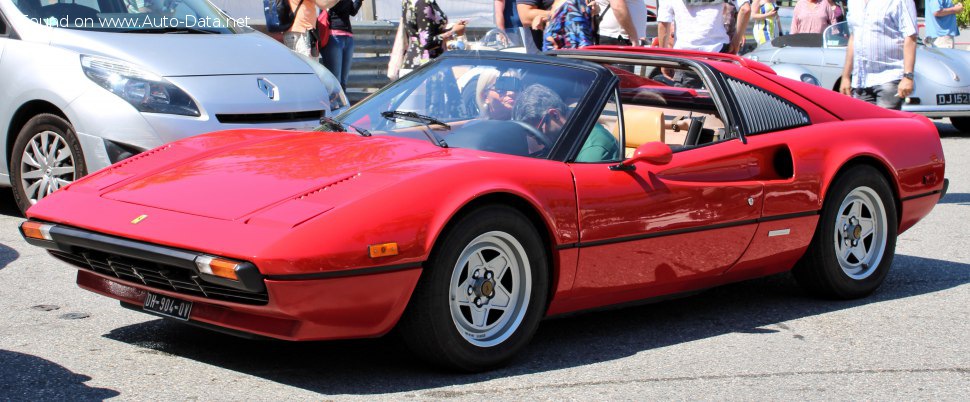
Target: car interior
column 657, row 107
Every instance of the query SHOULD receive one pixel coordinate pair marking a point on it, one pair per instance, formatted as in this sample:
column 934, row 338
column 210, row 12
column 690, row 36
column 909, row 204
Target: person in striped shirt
column 881, row 55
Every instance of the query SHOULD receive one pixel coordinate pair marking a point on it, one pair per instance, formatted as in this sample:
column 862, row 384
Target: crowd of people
column 878, row 67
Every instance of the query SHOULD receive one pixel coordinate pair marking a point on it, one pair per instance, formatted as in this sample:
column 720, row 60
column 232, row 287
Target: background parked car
column 89, row 83
column 942, row 75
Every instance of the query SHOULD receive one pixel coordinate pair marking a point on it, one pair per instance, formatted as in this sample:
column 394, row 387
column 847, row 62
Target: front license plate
column 953, row 99
column 167, row 306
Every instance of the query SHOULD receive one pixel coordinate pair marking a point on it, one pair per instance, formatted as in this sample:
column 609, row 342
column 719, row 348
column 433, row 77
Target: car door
column 660, row 229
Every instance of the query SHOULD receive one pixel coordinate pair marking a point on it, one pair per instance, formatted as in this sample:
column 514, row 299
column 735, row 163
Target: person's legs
column 864, row 94
column 331, row 56
column 886, row 95
column 297, row 42
column 348, row 57
column 945, row 42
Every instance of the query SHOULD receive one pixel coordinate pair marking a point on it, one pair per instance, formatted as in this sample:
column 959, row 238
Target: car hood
column 177, row 54
column 233, row 182
column 948, row 67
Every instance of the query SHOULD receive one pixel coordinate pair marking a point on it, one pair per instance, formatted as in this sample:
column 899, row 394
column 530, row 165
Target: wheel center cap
column 857, row 232
column 488, row 289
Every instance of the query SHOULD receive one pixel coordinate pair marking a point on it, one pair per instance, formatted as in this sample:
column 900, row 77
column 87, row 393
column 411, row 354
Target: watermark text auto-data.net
column 148, row 21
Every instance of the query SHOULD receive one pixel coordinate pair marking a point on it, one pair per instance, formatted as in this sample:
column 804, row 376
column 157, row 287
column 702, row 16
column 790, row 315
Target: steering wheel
column 694, row 130
column 535, row 133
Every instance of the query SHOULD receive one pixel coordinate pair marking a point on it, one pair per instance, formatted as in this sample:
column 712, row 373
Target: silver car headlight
column 810, row 79
column 146, row 91
column 338, row 99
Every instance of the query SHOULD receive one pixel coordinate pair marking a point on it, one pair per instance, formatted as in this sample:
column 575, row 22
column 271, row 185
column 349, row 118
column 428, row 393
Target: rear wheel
column 855, row 240
column 45, row 157
column 482, row 294
column 961, row 123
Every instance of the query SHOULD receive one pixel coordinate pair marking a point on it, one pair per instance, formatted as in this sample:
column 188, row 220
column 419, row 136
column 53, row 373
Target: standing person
column 297, row 38
column 506, row 16
column 881, row 53
column 812, row 16
column 569, row 25
column 700, row 25
column 533, row 14
column 624, row 22
column 423, row 30
column 837, row 10
column 941, row 22
column 765, row 16
column 338, row 53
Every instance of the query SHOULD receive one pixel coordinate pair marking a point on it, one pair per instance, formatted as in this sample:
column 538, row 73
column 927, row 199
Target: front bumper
column 355, row 306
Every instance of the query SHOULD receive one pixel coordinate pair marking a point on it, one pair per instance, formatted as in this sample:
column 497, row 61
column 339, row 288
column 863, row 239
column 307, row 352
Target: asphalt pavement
column 758, row 340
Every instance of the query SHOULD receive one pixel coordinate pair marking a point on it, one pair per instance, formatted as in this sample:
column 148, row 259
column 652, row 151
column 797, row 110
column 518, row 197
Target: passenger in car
column 540, row 107
column 496, row 94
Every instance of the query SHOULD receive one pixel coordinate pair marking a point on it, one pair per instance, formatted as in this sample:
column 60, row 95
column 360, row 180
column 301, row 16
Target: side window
column 3, row 27
column 602, row 142
column 667, row 103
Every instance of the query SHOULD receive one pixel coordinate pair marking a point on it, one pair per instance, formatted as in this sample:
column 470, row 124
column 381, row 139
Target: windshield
column 510, row 107
column 136, row 16
column 836, row 35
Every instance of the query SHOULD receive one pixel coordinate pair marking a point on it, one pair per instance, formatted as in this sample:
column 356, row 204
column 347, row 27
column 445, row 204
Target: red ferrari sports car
column 485, row 191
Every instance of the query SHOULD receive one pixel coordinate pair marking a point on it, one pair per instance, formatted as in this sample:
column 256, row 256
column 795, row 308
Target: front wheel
column 45, row 157
column 855, row 240
column 482, row 294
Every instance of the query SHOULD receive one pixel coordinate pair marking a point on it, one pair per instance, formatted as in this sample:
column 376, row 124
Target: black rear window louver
column 762, row 112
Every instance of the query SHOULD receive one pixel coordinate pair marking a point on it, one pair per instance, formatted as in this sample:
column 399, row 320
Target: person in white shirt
column 700, row 25
column 881, row 55
column 624, row 22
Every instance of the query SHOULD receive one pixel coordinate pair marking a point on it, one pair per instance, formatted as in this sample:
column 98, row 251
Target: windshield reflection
column 515, row 108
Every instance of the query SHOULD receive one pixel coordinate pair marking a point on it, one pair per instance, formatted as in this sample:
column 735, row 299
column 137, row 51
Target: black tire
column 961, row 123
column 429, row 325
column 56, row 129
column 821, row 270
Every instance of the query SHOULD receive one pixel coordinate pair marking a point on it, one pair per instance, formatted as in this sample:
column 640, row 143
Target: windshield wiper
column 171, row 30
column 334, row 125
column 419, row 118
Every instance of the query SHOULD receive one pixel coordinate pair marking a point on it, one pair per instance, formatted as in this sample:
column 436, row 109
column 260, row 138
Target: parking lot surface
column 756, row 340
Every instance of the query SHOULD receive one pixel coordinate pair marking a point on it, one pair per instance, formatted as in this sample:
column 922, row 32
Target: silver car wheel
column 47, row 165
column 860, row 233
column 490, row 289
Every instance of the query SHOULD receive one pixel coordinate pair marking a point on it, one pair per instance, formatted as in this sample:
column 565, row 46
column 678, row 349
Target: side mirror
column 654, row 153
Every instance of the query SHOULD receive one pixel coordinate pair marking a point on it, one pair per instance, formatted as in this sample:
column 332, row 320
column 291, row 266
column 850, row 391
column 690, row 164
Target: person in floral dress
column 425, row 29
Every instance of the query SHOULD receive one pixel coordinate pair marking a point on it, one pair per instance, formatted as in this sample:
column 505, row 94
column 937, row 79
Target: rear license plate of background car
column 953, row 99
column 167, row 306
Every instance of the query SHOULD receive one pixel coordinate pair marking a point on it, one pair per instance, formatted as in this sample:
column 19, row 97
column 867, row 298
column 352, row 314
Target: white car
column 942, row 76
column 88, row 83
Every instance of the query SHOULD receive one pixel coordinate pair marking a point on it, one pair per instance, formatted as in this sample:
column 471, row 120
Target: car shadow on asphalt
column 365, row 367
column 946, row 129
column 25, row 377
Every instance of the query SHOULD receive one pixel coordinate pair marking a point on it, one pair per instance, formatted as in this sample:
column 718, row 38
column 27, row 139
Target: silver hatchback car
column 87, row 83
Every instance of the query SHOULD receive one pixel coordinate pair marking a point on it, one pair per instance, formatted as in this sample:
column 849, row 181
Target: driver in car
column 540, row 107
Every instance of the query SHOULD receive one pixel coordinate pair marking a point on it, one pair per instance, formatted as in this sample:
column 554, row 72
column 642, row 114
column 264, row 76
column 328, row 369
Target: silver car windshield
column 135, row 16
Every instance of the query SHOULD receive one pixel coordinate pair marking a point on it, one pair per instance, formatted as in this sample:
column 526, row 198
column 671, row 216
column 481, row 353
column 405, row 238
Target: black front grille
column 255, row 118
column 155, row 275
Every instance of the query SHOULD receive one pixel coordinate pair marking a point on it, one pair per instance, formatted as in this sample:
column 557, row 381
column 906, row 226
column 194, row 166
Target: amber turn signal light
column 216, row 266
column 36, row 230
column 382, row 250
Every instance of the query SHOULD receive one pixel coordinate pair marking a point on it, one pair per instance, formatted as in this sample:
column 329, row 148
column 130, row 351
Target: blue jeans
column 337, row 55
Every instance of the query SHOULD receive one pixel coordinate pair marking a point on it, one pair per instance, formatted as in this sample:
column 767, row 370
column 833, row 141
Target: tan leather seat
column 642, row 126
